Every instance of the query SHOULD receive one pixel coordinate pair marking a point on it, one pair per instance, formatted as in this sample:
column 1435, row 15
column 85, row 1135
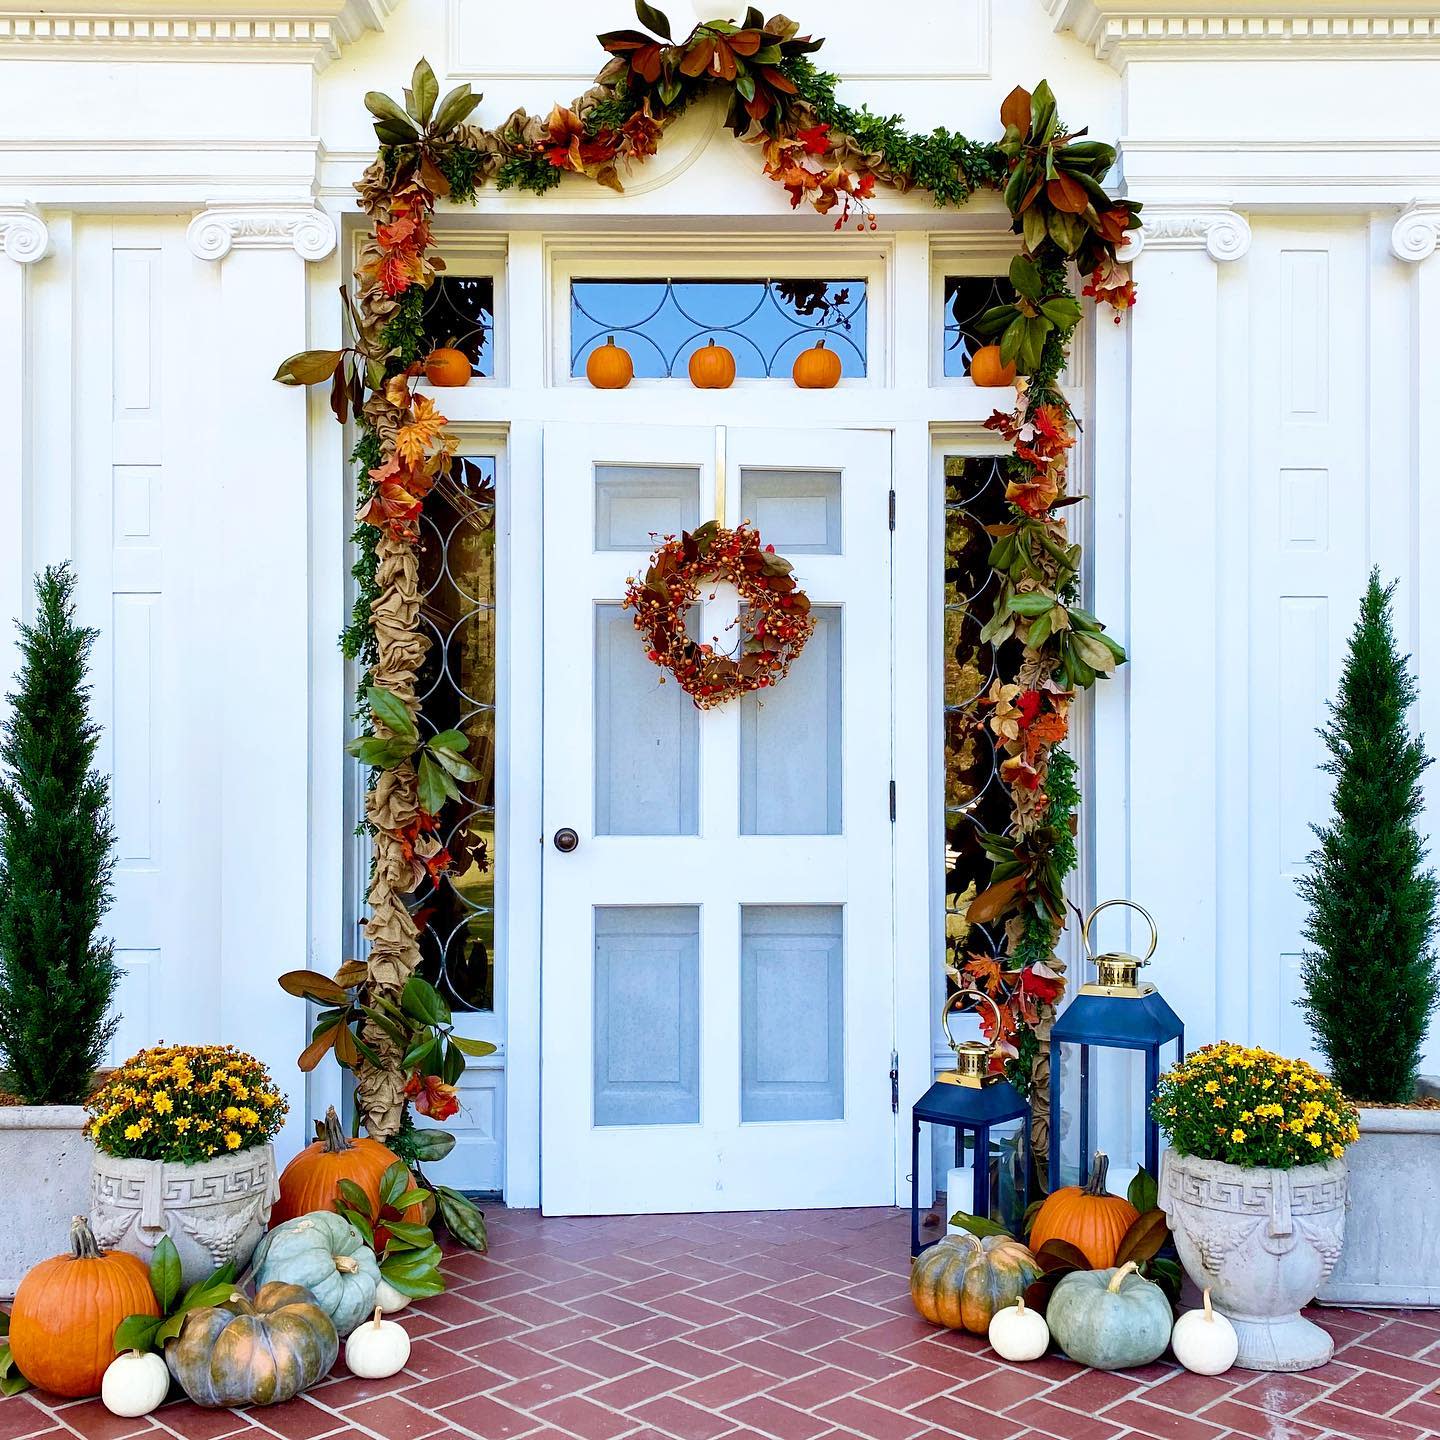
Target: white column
column 259, row 479
column 1179, row 716
column 1414, row 239
column 24, row 239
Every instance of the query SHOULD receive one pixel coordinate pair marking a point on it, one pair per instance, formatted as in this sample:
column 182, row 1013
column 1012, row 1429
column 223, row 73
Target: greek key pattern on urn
column 23, row 234
column 215, row 232
column 1255, row 1194
column 1416, row 233
column 1222, row 233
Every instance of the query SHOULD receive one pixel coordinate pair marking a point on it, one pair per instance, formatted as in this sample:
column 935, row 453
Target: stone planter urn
column 1392, row 1246
column 214, row 1212
column 1264, row 1241
column 45, row 1158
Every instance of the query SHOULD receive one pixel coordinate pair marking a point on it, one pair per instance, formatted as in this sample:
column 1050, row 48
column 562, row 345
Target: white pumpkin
column 377, row 1349
column 134, row 1384
column 388, row 1298
column 1018, row 1332
column 1204, row 1340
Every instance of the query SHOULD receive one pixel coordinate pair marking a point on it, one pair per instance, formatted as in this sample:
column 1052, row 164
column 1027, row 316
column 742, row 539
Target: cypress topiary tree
column 1371, row 977
column 56, row 978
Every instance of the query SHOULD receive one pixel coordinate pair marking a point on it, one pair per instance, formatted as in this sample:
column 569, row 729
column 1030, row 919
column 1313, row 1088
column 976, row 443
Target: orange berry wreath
column 774, row 620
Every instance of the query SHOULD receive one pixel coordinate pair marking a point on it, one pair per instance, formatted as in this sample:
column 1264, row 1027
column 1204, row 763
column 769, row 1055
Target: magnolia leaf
column 430, row 786
column 460, row 769
column 390, row 710
column 354, row 1196
column 977, row 1224
column 1094, row 652
column 1166, row 1274
column 451, row 740
column 1143, row 1192
column 384, row 109
column 464, row 1222
column 474, row 1048
column 1142, row 1241
column 426, row 90
column 653, row 19
column 996, row 901
column 455, row 109
column 347, row 1050
column 422, row 1055
column 1061, row 1255
column 1036, row 602
column 165, row 1273
column 411, row 1236
column 1061, row 310
column 430, row 1144
column 1012, row 340
column 312, row 985
column 421, row 1001
column 1067, row 231
column 137, row 1332
column 1025, row 277
column 1015, row 110
column 452, row 1066
column 309, row 367
column 1043, row 113
column 1032, row 227
column 394, row 1183
column 419, row 1284
column 383, row 754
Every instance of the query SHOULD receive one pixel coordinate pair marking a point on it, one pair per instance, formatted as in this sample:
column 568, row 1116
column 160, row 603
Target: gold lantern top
column 1117, row 974
column 972, row 1057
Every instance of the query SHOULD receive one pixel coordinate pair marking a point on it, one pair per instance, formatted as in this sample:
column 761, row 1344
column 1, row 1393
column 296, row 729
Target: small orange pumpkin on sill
column 448, row 368
column 988, row 370
column 712, row 367
column 816, row 368
column 609, row 367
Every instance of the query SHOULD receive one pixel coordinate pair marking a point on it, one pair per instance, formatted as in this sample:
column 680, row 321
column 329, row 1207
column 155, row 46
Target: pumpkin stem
column 1099, row 1169
column 820, row 343
column 1209, row 1309
column 1128, row 1268
column 378, row 1313
column 336, row 1140
column 609, row 339
column 1019, row 1302
column 346, row 1264
column 83, row 1245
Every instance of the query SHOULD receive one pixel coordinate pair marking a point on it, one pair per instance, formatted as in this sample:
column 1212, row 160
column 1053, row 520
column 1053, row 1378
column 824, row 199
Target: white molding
column 1125, row 30
column 213, row 233
column 23, row 234
column 1415, row 234
column 1223, row 233
column 314, row 31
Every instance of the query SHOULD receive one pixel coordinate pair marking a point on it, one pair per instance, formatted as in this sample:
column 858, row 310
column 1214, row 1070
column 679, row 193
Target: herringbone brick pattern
column 792, row 1326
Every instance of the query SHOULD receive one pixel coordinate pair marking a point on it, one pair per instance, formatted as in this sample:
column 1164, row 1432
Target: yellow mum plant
column 1252, row 1107
column 185, row 1104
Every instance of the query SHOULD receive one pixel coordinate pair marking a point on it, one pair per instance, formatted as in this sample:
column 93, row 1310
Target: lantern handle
column 1126, row 905
column 950, row 1005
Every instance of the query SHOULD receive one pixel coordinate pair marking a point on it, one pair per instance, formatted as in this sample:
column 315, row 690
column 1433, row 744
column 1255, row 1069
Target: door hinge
column 892, row 509
column 892, row 800
column 894, row 1082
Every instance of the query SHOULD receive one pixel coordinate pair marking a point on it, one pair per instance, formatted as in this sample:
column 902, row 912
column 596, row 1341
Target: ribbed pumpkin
column 962, row 1280
column 712, row 367
column 66, row 1310
column 1110, row 1319
column 448, row 367
column 608, row 367
column 816, row 368
column 987, row 369
column 311, row 1181
column 1088, row 1217
column 260, row 1352
column 327, row 1255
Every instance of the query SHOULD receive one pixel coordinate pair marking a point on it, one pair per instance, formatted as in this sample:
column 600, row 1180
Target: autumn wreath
column 774, row 619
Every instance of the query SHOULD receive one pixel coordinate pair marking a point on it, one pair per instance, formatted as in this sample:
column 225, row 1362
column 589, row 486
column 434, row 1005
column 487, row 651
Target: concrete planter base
column 45, row 1157
column 214, row 1212
column 1263, row 1241
column 1392, row 1235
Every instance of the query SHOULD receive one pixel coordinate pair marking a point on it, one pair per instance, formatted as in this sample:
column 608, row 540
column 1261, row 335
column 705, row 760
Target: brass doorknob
column 566, row 840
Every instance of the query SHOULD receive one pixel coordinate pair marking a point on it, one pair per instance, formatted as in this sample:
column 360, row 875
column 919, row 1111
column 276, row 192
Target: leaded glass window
column 967, row 298
column 764, row 323
column 456, row 687
column 975, row 798
column 459, row 310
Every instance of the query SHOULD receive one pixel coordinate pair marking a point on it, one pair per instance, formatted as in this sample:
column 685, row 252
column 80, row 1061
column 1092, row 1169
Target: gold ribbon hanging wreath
column 774, row 620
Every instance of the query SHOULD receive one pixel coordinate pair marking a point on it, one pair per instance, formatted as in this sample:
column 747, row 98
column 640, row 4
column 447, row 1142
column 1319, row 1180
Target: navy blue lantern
column 970, row 1098
column 1114, row 1011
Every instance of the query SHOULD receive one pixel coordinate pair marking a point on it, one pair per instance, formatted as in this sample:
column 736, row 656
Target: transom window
column 764, row 323
column 967, row 298
column 459, row 310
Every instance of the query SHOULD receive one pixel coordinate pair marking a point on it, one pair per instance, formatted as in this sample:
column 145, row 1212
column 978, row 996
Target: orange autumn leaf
column 986, row 972
column 423, row 430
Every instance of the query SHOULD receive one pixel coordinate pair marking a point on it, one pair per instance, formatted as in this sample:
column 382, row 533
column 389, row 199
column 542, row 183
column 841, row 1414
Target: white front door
column 717, row 977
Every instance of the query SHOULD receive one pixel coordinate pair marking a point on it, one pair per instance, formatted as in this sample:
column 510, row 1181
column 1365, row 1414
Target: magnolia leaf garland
column 831, row 157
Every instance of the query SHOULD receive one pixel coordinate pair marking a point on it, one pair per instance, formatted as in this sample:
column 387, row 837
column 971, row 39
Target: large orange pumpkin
column 962, row 1280
column 448, row 367
column 311, row 1181
column 987, row 369
column 63, row 1321
column 816, row 368
column 712, row 367
column 609, row 367
column 1088, row 1216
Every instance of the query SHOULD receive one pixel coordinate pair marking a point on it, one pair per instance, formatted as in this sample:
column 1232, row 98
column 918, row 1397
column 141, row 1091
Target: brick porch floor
column 793, row 1326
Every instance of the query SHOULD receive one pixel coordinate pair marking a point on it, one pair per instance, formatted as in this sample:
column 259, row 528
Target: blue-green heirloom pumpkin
column 260, row 1352
column 1110, row 1319
column 326, row 1254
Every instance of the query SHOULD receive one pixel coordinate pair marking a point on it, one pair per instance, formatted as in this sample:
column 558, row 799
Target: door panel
column 717, row 973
